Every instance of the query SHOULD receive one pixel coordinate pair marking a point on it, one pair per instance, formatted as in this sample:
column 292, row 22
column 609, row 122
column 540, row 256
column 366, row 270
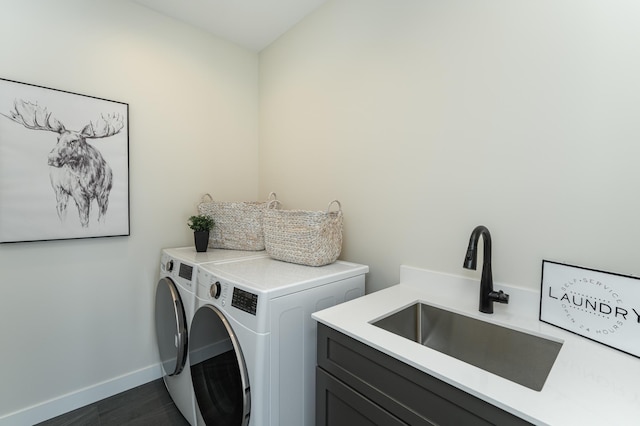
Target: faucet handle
column 499, row 296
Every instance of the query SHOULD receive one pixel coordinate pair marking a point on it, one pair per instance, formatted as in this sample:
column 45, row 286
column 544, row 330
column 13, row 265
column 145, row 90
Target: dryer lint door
column 218, row 370
column 171, row 327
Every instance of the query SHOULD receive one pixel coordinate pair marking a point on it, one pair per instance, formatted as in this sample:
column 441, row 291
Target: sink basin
column 520, row 357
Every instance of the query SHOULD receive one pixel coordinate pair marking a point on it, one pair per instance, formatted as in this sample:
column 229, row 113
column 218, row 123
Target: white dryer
column 253, row 341
column 175, row 299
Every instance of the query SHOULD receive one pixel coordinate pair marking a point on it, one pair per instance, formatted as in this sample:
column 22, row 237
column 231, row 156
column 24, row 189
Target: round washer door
column 171, row 327
column 218, row 370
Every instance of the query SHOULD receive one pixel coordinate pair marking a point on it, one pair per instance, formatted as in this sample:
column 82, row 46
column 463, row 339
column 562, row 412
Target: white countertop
column 589, row 384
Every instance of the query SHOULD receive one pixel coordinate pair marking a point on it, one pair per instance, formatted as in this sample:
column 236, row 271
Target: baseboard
column 71, row 401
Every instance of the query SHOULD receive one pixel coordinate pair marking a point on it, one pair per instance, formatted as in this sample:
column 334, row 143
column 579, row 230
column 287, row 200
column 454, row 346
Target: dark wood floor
column 148, row 404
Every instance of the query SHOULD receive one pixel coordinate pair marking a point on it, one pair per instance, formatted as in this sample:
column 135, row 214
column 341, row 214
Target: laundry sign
column 601, row 306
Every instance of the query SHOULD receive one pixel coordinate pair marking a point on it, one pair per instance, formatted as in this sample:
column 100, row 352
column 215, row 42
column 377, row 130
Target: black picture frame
column 601, row 306
column 64, row 165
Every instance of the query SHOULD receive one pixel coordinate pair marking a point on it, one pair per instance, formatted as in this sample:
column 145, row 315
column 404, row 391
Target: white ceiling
column 250, row 23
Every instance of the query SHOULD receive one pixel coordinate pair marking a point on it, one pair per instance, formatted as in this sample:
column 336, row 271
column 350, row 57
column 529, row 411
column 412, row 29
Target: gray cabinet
column 359, row 385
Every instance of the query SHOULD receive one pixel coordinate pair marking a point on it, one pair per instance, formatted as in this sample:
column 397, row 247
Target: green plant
column 201, row 222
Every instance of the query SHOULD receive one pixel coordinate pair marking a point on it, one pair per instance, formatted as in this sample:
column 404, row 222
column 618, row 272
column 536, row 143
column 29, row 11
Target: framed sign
column 601, row 306
column 64, row 165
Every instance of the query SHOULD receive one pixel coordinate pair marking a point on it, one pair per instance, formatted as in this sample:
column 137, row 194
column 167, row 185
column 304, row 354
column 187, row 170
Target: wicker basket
column 238, row 225
column 304, row 237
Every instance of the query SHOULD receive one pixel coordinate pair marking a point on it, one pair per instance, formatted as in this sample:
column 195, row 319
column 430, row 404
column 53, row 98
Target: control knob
column 169, row 266
column 215, row 290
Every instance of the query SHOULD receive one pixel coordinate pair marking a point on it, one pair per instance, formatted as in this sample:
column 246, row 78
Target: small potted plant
column 201, row 225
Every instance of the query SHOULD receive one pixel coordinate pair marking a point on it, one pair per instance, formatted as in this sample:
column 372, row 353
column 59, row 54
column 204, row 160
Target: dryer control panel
column 244, row 300
column 211, row 288
column 181, row 272
column 186, row 271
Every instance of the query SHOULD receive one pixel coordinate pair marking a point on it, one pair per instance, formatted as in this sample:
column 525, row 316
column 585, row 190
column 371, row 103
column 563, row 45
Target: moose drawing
column 77, row 169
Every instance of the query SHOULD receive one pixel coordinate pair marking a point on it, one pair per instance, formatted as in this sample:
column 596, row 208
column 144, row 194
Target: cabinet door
column 407, row 393
column 339, row 405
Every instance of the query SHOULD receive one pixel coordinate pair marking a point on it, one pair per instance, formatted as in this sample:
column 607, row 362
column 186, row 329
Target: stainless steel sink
column 520, row 357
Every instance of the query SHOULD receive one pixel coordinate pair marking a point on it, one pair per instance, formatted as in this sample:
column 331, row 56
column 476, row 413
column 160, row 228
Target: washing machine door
column 171, row 327
column 218, row 370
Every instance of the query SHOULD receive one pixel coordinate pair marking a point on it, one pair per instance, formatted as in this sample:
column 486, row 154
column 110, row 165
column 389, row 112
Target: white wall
column 77, row 313
column 427, row 118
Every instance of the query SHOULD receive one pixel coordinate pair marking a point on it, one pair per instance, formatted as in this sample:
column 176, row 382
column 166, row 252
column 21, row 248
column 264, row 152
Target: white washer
column 253, row 341
column 175, row 299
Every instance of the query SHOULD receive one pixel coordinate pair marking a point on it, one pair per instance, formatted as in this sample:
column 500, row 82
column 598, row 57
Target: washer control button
column 169, row 266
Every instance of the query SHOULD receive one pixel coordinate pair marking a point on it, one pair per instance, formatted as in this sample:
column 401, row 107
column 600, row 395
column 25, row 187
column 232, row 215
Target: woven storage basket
column 304, row 237
column 238, row 225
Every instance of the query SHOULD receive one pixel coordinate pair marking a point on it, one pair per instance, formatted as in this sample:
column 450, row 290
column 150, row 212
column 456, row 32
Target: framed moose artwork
column 64, row 165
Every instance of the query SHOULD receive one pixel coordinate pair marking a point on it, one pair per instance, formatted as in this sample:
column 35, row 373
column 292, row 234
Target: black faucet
column 487, row 294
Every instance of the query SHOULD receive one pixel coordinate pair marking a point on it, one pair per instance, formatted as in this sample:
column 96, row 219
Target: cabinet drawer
column 409, row 394
column 339, row 405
